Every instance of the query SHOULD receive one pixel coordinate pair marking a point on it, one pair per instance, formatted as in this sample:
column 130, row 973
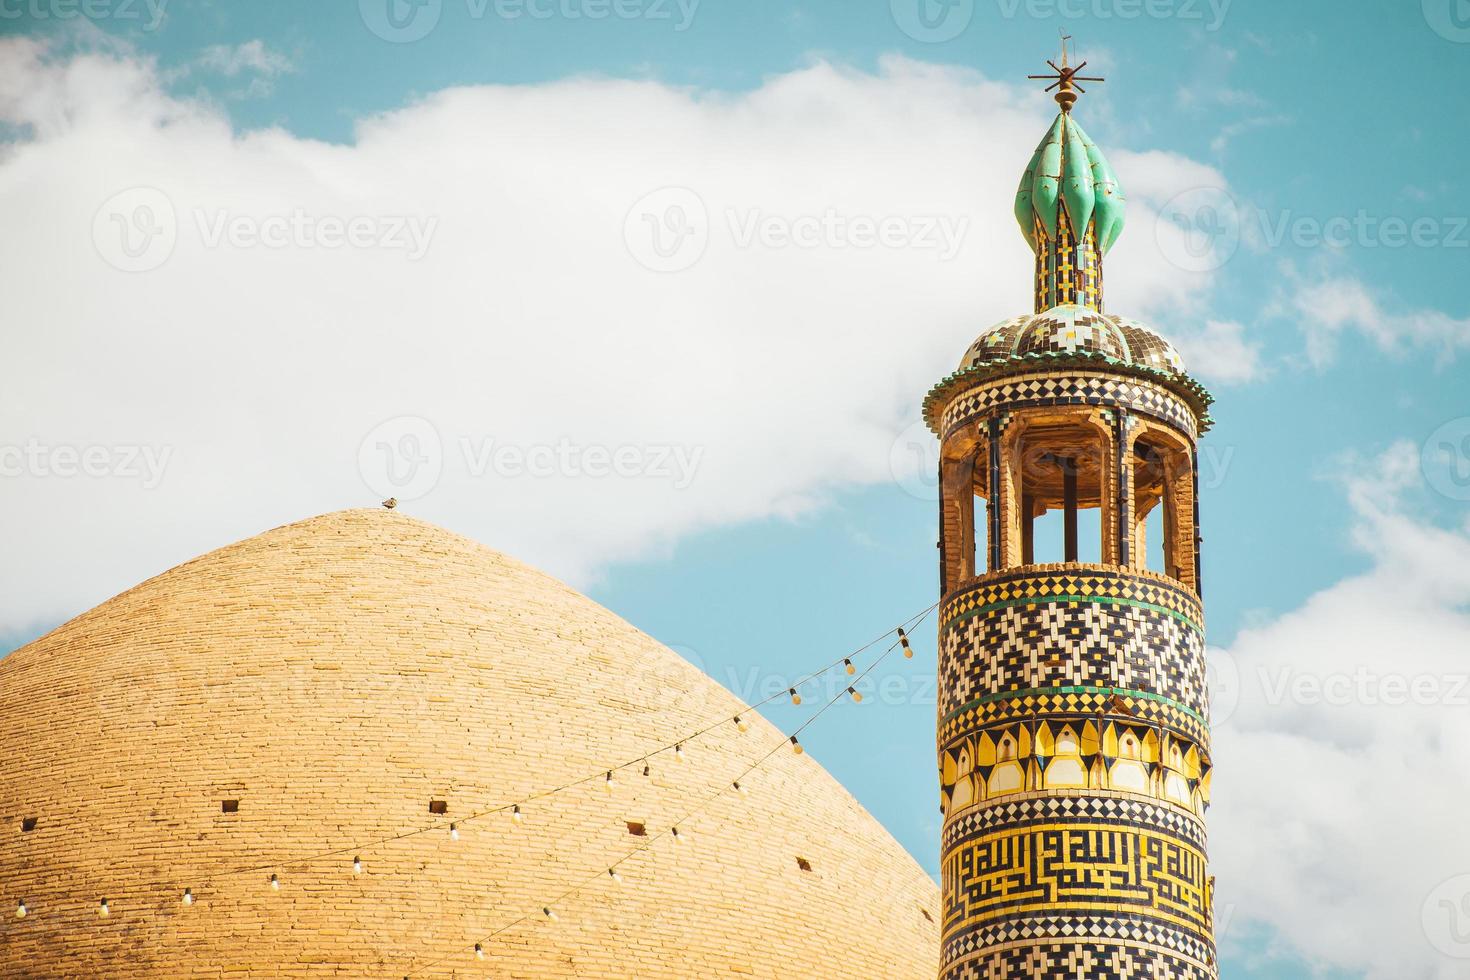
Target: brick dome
column 334, row 677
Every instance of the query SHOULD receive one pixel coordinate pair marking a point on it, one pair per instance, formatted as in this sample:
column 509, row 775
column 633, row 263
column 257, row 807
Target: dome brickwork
column 336, row 676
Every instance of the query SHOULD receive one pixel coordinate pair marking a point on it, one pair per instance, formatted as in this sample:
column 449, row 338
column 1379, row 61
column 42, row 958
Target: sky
column 597, row 283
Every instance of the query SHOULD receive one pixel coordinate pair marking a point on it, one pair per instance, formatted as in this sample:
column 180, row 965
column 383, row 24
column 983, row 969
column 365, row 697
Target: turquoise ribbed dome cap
column 1069, row 176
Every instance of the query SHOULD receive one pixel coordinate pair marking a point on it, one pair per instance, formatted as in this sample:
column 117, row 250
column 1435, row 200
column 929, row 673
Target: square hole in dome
column 229, row 806
column 637, row 828
column 803, row 864
column 438, row 807
column 27, row 824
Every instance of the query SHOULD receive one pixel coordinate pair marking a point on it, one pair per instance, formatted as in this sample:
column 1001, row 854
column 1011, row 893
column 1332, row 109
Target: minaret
column 1074, row 750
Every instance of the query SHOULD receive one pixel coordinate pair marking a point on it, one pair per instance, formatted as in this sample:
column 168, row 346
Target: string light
column 741, row 723
column 674, row 831
column 608, row 782
column 856, row 697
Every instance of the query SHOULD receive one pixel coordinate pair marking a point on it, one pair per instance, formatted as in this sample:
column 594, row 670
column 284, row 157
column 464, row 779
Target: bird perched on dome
column 390, row 503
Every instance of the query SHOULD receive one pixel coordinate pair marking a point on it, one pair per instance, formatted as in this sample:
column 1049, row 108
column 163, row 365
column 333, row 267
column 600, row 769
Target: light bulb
column 515, row 813
column 188, row 896
column 678, row 838
column 795, row 698
column 613, row 874
column 357, row 865
column 103, row 910
column 847, row 662
column 741, row 724
column 549, row 914
column 908, row 651
column 741, row 790
column 607, row 783
column 275, row 883
column 453, row 832
column 796, row 746
column 479, row 951
column 679, row 753
column 856, row 697
column 20, row 911
column 646, row 769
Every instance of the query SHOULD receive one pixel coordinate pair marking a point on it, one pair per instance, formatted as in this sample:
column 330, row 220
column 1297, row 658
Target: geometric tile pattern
column 1072, row 387
column 1085, row 703
column 1067, row 271
column 1104, row 928
column 1074, row 867
column 1069, row 961
column 1109, row 877
column 1086, row 808
column 1039, row 582
column 1098, row 640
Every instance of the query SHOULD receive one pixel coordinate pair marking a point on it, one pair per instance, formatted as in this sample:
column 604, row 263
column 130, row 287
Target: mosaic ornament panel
column 989, row 767
column 1070, row 961
column 1069, row 388
column 1067, row 270
column 1092, row 702
column 1101, row 810
column 1098, row 640
column 1114, row 929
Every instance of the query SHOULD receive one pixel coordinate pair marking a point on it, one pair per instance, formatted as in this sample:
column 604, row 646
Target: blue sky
column 1330, row 361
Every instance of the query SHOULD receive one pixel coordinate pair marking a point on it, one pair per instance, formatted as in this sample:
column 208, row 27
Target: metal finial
column 1065, row 78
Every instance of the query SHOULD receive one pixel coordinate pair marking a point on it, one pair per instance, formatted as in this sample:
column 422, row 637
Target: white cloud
column 1341, row 776
column 1327, row 308
column 783, row 372
column 1220, row 352
column 251, row 56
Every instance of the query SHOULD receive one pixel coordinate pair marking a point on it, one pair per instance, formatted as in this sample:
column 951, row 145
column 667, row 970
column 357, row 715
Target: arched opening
column 1060, row 470
column 966, row 515
column 1163, row 531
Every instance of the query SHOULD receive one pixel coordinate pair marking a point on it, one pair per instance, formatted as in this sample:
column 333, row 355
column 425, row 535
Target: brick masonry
column 336, row 675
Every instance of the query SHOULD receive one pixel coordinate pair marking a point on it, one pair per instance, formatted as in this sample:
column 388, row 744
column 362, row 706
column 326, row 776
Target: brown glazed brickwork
column 334, row 677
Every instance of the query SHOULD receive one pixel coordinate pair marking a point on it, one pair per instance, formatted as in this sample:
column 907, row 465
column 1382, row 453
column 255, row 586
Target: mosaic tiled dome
column 1074, row 329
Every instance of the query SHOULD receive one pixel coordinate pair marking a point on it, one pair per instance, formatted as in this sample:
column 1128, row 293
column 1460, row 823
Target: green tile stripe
column 1044, row 691
column 1097, row 599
